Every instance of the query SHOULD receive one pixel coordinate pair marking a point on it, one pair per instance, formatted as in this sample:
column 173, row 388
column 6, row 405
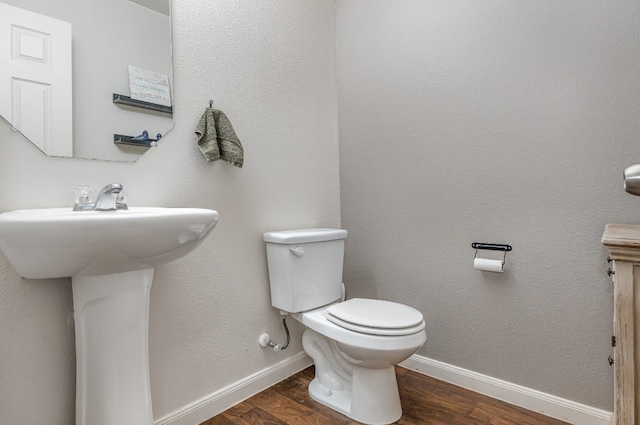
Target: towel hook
column 211, row 104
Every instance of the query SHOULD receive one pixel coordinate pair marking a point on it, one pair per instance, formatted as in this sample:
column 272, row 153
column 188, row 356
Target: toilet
column 354, row 344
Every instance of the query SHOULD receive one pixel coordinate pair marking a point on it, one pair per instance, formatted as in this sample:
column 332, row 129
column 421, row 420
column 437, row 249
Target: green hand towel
column 217, row 139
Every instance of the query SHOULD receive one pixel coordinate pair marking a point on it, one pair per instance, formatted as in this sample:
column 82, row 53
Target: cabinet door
column 623, row 352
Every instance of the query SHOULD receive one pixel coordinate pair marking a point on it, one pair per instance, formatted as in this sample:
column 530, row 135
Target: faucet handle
column 122, row 197
column 121, row 200
column 83, row 194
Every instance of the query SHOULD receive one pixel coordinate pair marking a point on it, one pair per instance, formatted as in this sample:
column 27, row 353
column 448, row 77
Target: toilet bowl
column 355, row 372
column 354, row 344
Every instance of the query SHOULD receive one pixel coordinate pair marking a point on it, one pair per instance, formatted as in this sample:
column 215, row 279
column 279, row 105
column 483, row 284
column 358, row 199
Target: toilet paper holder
column 492, row 247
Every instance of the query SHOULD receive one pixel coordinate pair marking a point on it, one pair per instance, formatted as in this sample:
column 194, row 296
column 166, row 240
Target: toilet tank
column 305, row 267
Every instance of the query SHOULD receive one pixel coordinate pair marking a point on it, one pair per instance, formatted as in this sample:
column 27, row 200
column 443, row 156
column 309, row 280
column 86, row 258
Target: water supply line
column 265, row 339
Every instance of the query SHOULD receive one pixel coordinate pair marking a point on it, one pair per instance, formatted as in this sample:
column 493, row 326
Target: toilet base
column 373, row 399
column 367, row 395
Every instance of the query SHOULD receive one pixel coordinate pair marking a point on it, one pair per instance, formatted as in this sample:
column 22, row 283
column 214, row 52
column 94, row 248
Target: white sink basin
column 110, row 256
column 59, row 242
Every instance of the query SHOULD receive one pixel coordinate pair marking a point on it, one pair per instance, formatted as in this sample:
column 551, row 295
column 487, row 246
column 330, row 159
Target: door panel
column 35, row 67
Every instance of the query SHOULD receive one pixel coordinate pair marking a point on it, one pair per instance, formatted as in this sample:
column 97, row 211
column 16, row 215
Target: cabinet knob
column 610, row 360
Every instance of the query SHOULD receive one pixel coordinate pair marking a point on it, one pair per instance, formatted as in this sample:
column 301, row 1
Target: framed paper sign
column 149, row 86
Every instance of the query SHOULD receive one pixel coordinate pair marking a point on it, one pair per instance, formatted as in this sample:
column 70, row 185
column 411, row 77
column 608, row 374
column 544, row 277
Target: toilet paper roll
column 488, row 265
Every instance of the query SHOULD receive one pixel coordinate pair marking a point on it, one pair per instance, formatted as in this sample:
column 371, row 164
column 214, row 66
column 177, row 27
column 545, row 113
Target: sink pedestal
column 112, row 338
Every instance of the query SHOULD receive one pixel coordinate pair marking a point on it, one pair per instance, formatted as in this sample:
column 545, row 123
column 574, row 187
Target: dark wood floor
column 425, row 401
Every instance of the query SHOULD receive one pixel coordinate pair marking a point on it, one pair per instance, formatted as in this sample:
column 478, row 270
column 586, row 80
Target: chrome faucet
column 107, row 200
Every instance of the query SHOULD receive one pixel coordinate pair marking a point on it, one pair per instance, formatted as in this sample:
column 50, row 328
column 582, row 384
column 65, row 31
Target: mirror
column 91, row 51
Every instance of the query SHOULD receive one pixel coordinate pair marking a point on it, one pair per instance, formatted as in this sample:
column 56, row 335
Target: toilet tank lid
column 304, row 236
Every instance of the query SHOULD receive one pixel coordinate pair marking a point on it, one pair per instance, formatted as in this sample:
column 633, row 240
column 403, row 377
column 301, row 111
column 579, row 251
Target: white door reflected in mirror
column 35, row 70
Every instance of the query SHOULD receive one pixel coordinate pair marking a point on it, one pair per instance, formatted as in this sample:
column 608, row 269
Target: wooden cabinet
column 623, row 243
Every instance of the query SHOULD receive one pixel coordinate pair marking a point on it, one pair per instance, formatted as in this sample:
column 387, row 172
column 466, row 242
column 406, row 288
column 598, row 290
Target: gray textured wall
column 207, row 309
column 493, row 121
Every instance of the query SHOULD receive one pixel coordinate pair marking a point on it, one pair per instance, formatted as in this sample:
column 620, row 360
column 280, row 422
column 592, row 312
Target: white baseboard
column 550, row 405
column 537, row 401
column 219, row 401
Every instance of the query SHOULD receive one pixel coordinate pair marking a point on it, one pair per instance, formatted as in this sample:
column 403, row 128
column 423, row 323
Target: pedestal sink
column 110, row 256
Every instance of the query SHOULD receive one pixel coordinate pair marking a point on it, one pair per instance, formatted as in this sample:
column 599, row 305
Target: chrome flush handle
column 297, row 251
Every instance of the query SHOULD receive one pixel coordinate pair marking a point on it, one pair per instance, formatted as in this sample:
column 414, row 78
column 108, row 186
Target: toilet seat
column 317, row 320
column 376, row 317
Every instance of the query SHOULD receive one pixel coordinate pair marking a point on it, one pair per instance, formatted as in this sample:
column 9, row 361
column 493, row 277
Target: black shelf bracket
column 126, row 100
column 121, row 139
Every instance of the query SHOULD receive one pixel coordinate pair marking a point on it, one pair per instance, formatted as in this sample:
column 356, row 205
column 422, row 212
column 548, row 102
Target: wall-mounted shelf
column 126, row 100
column 121, row 139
